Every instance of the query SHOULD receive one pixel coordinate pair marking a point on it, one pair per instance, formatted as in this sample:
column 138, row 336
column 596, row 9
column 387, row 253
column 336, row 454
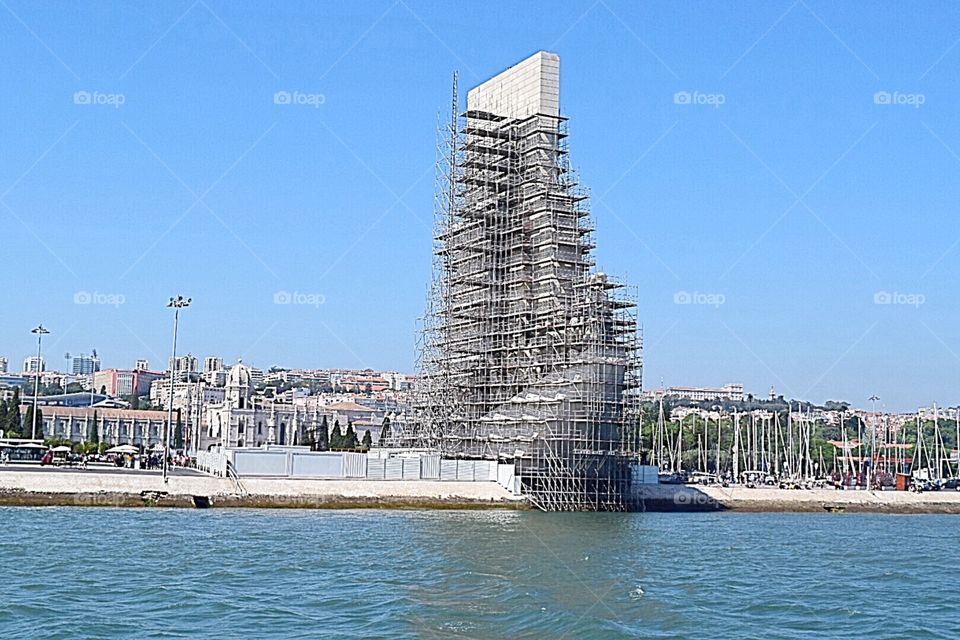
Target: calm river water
column 124, row 573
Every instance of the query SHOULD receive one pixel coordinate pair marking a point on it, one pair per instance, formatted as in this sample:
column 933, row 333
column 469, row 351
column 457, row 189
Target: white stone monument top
column 525, row 89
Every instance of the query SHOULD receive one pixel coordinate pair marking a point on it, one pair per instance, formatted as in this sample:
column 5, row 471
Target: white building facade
column 244, row 419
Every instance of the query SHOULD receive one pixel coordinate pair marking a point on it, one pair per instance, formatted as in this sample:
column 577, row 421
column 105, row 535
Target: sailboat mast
column 720, row 419
column 917, row 451
column 776, row 442
column 956, row 443
column 679, row 444
column 736, row 446
column 790, row 470
column 936, row 438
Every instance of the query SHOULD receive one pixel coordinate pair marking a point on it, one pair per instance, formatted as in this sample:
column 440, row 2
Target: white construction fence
column 379, row 464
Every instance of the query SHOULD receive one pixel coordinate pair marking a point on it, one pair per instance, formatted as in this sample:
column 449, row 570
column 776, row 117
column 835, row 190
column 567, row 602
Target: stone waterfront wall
column 708, row 498
column 102, row 489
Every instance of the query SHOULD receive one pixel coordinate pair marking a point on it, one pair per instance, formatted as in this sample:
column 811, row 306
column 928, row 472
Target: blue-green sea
column 157, row 573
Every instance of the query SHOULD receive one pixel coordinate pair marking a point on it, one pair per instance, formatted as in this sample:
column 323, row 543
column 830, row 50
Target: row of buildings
column 236, row 407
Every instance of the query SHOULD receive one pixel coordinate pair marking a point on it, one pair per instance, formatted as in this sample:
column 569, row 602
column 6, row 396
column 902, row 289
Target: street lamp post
column 176, row 304
column 40, row 330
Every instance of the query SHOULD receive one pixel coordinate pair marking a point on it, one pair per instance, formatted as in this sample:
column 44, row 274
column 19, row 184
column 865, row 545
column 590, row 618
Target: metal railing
column 212, row 462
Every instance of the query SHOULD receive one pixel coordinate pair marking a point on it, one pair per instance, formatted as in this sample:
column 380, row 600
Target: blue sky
column 783, row 199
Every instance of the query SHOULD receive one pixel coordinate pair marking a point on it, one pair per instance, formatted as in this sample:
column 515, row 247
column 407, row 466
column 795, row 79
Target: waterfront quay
column 31, row 485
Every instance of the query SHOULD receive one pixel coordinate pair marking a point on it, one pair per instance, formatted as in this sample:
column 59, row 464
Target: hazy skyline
column 777, row 180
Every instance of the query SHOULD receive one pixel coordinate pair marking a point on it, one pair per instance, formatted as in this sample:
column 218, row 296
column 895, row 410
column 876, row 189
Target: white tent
column 123, row 448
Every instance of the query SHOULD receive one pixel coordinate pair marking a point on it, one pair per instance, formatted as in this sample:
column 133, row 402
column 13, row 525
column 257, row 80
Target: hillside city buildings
column 729, row 392
column 83, row 364
column 236, row 406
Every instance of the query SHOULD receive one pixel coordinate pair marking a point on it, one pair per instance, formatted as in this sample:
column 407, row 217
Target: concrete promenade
column 186, row 488
column 680, row 498
column 32, row 485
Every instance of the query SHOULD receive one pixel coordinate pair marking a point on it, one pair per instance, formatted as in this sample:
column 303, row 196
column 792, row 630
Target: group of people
column 150, row 461
column 71, row 459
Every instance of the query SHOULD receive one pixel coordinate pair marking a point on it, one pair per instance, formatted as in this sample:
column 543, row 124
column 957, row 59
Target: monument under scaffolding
column 528, row 355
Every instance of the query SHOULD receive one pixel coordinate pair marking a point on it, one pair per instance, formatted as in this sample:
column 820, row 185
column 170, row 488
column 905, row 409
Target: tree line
column 327, row 439
column 15, row 425
column 11, row 424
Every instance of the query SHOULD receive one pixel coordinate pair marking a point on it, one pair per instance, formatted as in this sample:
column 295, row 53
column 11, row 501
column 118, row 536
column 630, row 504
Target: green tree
column 178, row 433
column 367, row 439
column 27, row 423
column 336, row 437
column 51, row 389
column 135, row 401
column 323, row 436
column 14, row 422
column 93, row 435
column 4, row 425
column 350, row 438
column 384, row 432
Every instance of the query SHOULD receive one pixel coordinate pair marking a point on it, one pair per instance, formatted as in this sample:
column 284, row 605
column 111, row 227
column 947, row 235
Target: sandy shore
column 707, row 498
column 91, row 488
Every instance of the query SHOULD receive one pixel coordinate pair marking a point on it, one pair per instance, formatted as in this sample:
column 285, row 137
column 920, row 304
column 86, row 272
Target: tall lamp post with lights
column 40, row 330
column 176, row 304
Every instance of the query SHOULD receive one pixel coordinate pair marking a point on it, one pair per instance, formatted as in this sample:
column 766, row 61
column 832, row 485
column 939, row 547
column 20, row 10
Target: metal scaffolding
column 528, row 355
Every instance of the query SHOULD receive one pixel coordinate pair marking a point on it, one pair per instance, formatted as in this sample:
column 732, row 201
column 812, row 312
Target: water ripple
column 120, row 573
